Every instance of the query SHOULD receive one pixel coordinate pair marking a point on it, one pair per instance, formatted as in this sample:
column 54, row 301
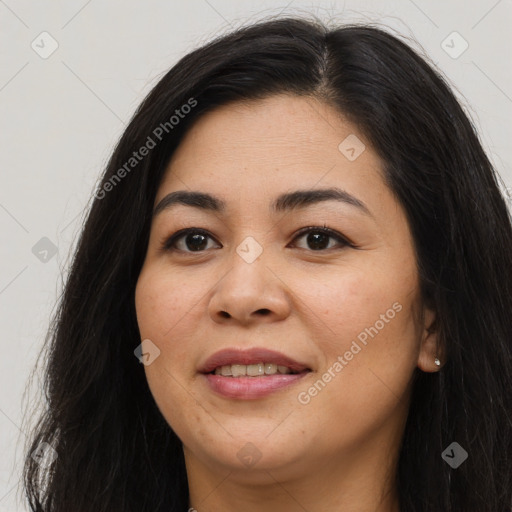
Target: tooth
column 254, row 370
column 270, row 368
column 226, row 370
column 238, row 369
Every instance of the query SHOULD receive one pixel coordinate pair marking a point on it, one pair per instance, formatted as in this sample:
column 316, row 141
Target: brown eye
column 188, row 240
column 317, row 239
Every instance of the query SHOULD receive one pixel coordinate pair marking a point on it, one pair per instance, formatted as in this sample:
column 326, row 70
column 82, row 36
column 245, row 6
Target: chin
column 251, row 459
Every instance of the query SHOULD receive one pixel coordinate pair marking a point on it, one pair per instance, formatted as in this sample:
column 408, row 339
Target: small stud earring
column 437, row 362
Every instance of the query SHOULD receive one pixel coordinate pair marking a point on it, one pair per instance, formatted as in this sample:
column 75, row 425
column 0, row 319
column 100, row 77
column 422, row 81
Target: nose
column 248, row 293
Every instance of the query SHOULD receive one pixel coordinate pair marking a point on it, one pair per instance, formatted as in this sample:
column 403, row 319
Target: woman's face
column 248, row 277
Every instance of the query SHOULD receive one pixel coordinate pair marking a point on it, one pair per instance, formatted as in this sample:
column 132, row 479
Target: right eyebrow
column 196, row 199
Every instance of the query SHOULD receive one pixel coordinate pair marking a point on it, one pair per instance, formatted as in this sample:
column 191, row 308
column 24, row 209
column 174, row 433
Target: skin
column 338, row 451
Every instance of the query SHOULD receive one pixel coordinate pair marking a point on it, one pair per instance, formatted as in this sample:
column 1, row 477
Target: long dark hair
column 114, row 449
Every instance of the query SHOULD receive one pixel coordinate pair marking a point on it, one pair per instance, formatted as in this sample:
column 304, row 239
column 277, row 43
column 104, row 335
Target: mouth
column 251, row 374
column 253, row 362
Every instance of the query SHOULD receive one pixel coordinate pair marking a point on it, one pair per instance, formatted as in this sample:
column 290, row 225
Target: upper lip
column 250, row 356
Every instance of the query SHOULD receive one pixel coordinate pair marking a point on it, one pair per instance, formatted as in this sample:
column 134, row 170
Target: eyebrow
column 285, row 202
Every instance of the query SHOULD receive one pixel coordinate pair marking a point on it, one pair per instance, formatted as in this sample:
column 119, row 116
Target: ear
column 430, row 349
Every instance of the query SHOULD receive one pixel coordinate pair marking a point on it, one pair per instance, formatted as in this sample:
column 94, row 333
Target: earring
column 437, row 362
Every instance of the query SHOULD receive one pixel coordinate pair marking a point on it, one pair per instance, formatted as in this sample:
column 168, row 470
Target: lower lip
column 251, row 388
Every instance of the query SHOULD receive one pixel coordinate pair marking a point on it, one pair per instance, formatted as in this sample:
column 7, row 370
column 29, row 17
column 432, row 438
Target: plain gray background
column 61, row 115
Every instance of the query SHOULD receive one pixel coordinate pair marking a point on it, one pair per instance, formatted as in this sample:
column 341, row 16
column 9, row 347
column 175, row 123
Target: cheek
column 160, row 304
column 367, row 321
column 349, row 302
column 163, row 313
column 162, row 317
column 371, row 326
column 370, row 309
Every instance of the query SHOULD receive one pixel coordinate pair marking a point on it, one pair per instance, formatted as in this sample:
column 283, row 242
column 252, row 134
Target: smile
column 250, row 373
column 252, row 370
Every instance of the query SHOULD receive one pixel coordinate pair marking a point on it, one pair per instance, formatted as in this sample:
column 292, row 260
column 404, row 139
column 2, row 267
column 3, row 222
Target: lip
column 251, row 388
column 250, row 356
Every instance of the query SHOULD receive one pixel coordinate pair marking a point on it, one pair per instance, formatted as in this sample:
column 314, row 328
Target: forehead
column 278, row 142
column 288, row 124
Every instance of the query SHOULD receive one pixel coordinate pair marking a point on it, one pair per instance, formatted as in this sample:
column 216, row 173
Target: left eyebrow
column 285, row 202
column 304, row 198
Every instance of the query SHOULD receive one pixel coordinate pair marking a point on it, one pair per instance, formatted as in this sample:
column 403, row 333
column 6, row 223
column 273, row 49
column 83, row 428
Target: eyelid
column 341, row 239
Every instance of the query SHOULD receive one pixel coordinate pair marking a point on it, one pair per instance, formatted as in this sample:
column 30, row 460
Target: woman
column 301, row 239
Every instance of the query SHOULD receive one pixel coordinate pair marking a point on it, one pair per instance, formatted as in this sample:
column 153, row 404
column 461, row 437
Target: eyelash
column 169, row 242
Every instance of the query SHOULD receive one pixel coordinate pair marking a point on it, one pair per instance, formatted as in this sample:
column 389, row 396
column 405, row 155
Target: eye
column 318, row 238
column 188, row 240
column 196, row 239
